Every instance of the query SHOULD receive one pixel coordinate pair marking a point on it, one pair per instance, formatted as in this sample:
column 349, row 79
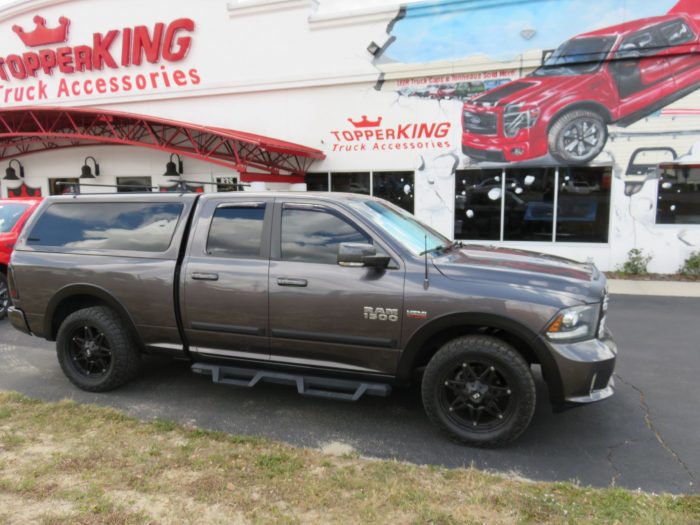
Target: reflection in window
column 395, row 187
column 316, row 181
column 678, row 199
column 582, row 214
column 529, row 212
column 478, row 204
column 135, row 226
column 236, row 232
column 350, row 182
column 314, row 236
column 9, row 215
column 133, row 184
column 61, row 189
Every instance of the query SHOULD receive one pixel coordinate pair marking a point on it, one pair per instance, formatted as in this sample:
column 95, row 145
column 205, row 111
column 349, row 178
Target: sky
column 454, row 29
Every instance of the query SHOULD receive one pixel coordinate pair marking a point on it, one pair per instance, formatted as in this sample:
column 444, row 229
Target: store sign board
column 110, row 54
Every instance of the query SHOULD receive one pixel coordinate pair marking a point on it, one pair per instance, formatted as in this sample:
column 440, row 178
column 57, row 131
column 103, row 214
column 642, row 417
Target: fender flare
column 418, row 339
column 91, row 290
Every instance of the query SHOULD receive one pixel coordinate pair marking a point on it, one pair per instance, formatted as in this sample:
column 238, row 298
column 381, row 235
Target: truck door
column 323, row 314
column 225, row 279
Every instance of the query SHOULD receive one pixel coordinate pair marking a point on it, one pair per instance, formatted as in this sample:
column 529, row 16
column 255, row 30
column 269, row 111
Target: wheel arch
column 590, row 105
column 78, row 296
column 429, row 338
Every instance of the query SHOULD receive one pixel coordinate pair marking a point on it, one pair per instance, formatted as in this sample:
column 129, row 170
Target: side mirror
column 360, row 254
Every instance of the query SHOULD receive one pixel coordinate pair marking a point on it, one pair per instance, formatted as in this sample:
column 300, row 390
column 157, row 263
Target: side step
column 328, row 388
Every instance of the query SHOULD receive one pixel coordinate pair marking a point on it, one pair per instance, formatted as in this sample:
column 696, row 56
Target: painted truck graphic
column 615, row 75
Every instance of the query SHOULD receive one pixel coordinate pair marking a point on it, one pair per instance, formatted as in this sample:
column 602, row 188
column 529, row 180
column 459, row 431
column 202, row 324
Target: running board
column 324, row 387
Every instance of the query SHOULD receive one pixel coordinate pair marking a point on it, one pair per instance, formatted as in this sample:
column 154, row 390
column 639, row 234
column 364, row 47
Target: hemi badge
column 417, row 314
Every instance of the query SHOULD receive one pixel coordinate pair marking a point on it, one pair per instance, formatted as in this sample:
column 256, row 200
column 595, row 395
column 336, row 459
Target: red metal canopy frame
column 35, row 129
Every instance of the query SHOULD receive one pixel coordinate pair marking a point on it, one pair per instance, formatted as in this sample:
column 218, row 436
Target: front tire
column 479, row 390
column 577, row 137
column 96, row 351
column 4, row 296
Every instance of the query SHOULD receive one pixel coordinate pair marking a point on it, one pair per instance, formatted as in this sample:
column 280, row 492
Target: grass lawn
column 70, row 463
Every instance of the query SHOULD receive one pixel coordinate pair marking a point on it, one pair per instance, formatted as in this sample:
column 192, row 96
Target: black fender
column 86, row 290
column 534, row 342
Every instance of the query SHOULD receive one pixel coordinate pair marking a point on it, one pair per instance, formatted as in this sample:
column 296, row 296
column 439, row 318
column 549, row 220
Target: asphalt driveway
column 646, row 436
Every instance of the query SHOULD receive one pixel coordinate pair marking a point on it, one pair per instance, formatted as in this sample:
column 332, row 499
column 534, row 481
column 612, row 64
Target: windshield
column 9, row 215
column 576, row 57
column 401, row 225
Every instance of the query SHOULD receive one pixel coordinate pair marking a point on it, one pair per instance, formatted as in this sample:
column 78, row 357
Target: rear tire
column 479, row 390
column 4, row 296
column 96, row 351
column 577, row 137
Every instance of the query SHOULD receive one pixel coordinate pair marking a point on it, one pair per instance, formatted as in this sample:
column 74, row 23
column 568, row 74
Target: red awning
column 33, row 129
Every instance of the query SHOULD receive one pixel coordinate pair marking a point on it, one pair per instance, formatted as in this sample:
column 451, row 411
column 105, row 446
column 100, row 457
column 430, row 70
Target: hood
column 532, row 90
column 523, row 268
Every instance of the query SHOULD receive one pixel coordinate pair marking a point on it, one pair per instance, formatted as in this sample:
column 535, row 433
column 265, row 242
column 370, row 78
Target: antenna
column 426, row 281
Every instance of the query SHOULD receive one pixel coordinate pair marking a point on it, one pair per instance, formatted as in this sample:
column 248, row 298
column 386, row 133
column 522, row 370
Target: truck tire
column 96, row 351
column 4, row 296
column 577, row 137
column 479, row 390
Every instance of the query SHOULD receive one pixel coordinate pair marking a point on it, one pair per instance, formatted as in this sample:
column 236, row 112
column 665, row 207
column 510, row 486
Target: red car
column 616, row 75
column 13, row 214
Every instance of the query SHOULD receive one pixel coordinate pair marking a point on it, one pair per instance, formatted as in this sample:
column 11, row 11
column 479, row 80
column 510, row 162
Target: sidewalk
column 661, row 288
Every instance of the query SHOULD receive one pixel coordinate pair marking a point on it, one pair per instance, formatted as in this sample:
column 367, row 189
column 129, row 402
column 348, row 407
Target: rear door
column 225, row 279
column 323, row 314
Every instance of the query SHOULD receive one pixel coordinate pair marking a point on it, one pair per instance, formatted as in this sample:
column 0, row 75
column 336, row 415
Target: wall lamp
column 171, row 169
column 86, row 171
column 11, row 174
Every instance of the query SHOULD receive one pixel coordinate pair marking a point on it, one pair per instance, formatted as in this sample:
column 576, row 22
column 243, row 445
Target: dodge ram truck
column 339, row 295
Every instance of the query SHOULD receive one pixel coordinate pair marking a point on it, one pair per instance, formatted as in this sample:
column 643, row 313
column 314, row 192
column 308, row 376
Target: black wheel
column 577, row 137
column 479, row 390
column 4, row 296
column 95, row 350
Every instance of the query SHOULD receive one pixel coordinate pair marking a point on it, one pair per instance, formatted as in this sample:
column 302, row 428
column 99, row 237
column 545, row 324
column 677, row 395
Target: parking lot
column 646, row 436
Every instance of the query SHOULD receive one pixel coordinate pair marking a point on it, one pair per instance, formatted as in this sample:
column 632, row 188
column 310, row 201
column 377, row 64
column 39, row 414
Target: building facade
column 565, row 127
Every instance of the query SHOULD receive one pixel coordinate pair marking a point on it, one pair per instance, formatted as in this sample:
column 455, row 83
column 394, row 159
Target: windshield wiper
column 438, row 248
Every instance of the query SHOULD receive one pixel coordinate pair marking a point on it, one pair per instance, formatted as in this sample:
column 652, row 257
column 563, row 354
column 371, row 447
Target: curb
column 654, row 288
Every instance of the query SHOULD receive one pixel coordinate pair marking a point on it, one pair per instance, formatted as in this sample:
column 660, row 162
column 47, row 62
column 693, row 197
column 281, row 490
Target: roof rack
column 180, row 187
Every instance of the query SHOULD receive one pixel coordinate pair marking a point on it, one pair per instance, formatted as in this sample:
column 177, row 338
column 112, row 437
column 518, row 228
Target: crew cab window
column 236, row 231
column 131, row 226
column 676, row 33
column 314, row 235
column 642, row 44
column 9, row 215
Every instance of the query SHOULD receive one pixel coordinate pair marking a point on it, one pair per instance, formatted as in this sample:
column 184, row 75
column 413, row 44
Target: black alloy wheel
column 577, row 137
column 89, row 350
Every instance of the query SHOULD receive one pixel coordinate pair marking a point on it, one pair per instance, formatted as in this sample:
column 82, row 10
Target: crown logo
column 364, row 123
column 43, row 35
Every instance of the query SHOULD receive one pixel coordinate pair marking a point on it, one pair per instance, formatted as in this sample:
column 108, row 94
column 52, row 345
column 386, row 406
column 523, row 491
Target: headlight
column 517, row 117
column 577, row 323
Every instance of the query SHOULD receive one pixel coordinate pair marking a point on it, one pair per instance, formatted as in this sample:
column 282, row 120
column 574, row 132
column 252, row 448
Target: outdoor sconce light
column 171, row 169
column 11, row 174
column 87, row 171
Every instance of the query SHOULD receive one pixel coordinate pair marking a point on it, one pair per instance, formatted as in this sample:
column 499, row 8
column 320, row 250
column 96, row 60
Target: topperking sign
column 26, row 75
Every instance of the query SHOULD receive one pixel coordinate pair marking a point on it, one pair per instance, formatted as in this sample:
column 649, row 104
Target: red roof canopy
column 33, row 129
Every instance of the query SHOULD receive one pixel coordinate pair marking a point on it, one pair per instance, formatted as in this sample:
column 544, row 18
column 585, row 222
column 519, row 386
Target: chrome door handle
column 197, row 276
column 285, row 281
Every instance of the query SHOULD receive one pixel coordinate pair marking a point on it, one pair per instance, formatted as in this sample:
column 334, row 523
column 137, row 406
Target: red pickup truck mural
column 615, row 75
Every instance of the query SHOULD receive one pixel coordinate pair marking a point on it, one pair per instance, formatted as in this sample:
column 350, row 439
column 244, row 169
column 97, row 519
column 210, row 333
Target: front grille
column 480, row 123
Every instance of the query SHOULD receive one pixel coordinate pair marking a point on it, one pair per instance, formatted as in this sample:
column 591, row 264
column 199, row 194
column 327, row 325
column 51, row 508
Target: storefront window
column 582, row 197
column 478, row 204
column 584, row 204
column 133, row 184
column 316, row 181
column 61, row 189
column 678, row 200
column 357, row 182
column 225, row 184
column 395, row 187
column 529, row 211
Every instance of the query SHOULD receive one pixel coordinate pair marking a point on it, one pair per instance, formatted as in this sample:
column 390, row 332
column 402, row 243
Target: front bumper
column 18, row 320
column 586, row 369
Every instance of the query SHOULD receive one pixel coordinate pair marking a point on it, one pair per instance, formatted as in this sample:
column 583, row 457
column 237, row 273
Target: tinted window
column 314, row 236
column 236, row 232
column 135, row 226
column 679, row 195
column 676, row 33
column 396, row 187
column 9, row 215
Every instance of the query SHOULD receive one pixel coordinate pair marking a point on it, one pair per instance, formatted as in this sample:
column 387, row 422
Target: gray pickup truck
column 340, row 295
